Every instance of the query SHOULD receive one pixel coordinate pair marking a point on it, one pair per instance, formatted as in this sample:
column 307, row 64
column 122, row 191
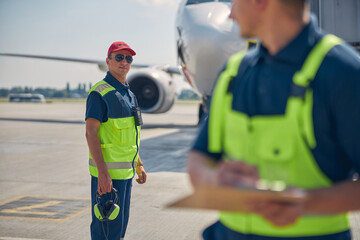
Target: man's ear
column 107, row 60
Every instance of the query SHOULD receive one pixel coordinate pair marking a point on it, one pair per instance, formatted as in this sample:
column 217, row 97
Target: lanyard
column 134, row 109
column 119, row 96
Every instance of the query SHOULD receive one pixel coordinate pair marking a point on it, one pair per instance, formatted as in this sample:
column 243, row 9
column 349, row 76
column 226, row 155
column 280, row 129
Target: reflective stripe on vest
column 102, row 87
column 115, row 165
column 277, row 145
column 118, row 137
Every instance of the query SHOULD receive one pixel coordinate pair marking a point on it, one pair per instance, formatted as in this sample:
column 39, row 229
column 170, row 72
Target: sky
column 80, row 29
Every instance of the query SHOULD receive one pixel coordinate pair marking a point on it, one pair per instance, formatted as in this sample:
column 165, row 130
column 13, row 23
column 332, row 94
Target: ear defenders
column 108, row 212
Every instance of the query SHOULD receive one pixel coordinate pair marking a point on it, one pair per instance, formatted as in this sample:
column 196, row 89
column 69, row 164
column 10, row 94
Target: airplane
column 206, row 37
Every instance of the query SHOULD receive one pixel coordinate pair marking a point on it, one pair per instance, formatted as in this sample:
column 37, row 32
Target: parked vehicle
column 26, row 97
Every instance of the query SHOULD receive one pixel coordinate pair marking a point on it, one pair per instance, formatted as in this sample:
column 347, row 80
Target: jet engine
column 154, row 89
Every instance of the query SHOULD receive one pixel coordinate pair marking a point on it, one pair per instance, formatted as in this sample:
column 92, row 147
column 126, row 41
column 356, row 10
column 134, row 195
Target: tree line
column 80, row 92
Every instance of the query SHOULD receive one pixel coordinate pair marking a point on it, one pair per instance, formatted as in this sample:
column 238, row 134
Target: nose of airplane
column 208, row 37
column 211, row 15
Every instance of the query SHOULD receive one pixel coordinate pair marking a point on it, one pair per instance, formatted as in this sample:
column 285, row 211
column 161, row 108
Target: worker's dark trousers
column 115, row 229
column 218, row 231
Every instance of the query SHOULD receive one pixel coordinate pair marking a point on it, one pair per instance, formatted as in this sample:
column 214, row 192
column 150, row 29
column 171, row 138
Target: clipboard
column 233, row 199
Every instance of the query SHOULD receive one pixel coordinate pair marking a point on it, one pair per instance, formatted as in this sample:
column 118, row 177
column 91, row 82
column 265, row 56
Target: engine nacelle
column 154, row 89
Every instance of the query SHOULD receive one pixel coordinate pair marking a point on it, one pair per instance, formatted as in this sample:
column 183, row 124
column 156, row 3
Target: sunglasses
column 120, row 57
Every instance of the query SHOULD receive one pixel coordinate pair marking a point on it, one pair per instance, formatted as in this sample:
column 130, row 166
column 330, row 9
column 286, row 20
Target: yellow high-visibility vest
column 119, row 138
column 280, row 146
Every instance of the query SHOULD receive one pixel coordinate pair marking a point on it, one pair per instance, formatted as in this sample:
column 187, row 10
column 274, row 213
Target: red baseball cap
column 116, row 46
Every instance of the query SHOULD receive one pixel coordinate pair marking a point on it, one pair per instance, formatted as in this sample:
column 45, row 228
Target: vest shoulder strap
column 314, row 59
column 302, row 80
column 102, row 87
column 217, row 109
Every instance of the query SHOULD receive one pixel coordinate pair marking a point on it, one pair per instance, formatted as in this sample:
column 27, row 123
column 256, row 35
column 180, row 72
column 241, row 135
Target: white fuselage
column 206, row 38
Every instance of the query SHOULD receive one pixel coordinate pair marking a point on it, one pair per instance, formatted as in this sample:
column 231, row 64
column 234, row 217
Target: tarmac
column 45, row 183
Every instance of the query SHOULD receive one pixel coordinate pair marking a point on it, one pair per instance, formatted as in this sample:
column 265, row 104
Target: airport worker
column 113, row 124
column 288, row 112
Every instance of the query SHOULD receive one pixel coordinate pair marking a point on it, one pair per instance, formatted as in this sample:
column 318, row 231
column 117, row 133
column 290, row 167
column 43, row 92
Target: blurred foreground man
column 113, row 122
column 289, row 112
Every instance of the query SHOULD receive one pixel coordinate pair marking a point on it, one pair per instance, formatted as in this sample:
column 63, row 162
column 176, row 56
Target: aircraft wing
column 101, row 64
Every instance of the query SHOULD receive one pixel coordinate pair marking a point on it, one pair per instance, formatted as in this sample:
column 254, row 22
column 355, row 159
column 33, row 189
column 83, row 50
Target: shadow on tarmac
column 168, row 153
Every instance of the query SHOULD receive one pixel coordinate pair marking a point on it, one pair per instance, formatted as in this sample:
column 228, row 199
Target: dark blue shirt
column 262, row 87
column 96, row 107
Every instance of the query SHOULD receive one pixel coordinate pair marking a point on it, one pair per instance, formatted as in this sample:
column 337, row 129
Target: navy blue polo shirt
column 96, row 107
column 262, row 87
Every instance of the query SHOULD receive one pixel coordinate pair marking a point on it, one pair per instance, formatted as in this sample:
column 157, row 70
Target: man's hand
column 233, row 173
column 278, row 213
column 104, row 183
column 205, row 172
column 141, row 175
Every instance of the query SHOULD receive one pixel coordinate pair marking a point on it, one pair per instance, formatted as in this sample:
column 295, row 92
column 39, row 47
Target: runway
column 45, row 183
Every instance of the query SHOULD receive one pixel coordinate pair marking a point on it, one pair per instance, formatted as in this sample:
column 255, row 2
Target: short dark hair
column 298, row 4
